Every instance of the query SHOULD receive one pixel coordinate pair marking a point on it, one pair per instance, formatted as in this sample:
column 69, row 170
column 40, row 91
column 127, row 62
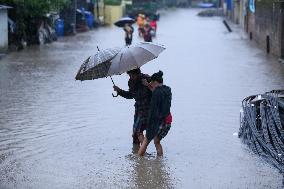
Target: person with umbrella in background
column 142, row 96
column 160, row 118
column 128, row 34
column 126, row 24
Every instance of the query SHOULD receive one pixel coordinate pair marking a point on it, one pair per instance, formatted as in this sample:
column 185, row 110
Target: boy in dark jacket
column 160, row 118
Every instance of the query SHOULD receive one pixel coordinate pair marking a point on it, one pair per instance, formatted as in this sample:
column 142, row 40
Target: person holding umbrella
column 160, row 118
column 142, row 95
column 116, row 61
column 126, row 24
column 128, row 34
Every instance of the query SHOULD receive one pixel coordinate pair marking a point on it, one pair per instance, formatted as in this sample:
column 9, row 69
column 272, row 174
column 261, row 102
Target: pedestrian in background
column 153, row 25
column 140, row 23
column 147, row 35
column 128, row 34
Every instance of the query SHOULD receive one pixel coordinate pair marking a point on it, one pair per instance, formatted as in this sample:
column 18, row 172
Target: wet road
column 56, row 132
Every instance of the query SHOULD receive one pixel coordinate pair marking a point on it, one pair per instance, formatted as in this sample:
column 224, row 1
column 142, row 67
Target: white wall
column 3, row 31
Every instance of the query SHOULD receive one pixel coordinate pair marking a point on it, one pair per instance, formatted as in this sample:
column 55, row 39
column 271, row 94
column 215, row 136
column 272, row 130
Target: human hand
column 116, row 88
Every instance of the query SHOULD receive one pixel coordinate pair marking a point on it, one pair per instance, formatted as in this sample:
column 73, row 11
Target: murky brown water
column 56, row 132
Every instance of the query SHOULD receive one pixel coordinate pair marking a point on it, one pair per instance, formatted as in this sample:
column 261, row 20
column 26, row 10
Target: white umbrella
column 134, row 56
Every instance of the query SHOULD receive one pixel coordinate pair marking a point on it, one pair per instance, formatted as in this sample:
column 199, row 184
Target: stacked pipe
column 262, row 126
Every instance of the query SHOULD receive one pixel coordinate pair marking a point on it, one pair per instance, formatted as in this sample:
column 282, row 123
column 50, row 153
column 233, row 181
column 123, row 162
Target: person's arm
column 123, row 93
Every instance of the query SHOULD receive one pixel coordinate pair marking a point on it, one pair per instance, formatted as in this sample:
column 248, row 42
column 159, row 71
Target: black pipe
column 267, row 44
column 227, row 26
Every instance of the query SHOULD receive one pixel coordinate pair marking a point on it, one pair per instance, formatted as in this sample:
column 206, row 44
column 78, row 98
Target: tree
column 27, row 13
column 34, row 8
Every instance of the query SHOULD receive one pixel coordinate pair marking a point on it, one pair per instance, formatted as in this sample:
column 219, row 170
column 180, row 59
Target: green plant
column 112, row 2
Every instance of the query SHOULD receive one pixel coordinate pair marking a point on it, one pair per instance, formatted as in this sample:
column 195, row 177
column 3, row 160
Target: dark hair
column 157, row 77
column 136, row 71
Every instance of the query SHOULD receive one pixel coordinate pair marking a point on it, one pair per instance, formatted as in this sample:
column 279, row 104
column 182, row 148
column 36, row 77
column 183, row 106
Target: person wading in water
column 142, row 95
column 160, row 118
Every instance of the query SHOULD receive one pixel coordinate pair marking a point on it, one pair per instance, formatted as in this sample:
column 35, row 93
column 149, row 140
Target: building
column 99, row 11
column 114, row 10
column 265, row 25
column 4, row 28
column 263, row 20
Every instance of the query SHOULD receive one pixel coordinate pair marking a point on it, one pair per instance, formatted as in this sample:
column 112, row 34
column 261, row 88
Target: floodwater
column 59, row 133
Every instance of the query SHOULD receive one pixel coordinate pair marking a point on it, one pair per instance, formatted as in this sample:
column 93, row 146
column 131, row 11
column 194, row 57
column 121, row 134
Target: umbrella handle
column 114, row 95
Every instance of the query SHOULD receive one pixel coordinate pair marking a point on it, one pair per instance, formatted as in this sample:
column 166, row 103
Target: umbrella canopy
column 134, row 56
column 97, row 66
column 125, row 20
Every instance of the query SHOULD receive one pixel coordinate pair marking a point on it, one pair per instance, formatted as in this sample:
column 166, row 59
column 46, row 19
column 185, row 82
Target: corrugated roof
column 5, row 7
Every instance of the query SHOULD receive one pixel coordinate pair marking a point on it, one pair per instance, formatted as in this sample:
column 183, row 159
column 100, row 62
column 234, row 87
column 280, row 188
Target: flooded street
column 59, row 133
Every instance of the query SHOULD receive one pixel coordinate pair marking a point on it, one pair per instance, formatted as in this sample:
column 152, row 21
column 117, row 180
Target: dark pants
column 138, row 127
column 128, row 41
column 149, row 39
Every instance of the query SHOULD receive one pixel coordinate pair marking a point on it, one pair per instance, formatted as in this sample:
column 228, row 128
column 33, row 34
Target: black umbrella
column 97, row 66
column 125, row 20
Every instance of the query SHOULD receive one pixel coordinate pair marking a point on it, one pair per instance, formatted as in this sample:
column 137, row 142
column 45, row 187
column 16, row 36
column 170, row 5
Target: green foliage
column 27, row 13
column 112, row 2
column 34, row 8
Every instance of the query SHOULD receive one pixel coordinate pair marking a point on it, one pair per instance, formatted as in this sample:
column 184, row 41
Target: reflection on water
column 150, row 172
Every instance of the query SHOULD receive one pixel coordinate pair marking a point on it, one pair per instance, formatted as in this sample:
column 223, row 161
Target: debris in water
column 262, row 126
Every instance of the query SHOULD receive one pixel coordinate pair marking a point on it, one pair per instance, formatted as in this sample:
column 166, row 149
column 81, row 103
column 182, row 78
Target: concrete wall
column 113, row 13
column 237, row 11
column 99, row 7
column 243, row 13
column 3, row 31
column 266, row 22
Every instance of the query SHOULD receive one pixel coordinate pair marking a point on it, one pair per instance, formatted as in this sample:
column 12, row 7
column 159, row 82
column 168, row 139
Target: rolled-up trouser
column 138, row 127
column 163, row 130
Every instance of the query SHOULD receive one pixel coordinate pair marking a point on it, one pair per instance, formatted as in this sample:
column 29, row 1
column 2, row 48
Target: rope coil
column 262, row 126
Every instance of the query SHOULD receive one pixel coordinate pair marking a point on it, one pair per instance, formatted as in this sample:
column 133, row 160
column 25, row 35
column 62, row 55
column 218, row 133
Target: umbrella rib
column 120, row 61
column 134, row 59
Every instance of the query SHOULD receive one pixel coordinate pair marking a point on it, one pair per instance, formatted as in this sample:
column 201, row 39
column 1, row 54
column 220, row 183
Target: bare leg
column 158, row 146
column 143, row 147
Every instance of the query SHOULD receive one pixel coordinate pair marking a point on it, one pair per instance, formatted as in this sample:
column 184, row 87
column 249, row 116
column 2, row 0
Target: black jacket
column 141, row 94
column 160, row 108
